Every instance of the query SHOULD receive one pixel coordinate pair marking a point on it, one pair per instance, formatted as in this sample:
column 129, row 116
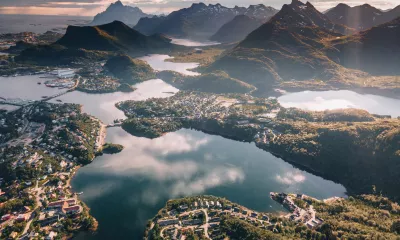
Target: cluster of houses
column 306, row 216
column 49, row 155
column 203, row 216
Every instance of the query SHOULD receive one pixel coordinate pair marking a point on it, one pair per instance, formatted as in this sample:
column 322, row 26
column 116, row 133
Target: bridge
column 21, row 103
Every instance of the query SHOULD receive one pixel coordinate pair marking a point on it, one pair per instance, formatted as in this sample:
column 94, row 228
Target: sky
column 92, row 7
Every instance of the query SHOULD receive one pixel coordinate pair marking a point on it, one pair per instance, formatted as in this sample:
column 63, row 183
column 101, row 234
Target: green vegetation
column 239, row 229
column 337, row 115
column 349, row 148
column 216, row 82
column 150, row 128
column 219, row 82
column 359, row 217
column 110, row 148
column 115, row 36
column 203, row 57
column 129, row 70
column 54, row 55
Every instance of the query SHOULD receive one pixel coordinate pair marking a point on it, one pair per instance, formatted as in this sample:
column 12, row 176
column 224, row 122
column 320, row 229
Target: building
column 5, row 217
column 72, row 210
column 191, row 222
column 51, row 236
column 167, row 222
column 183, row 207
column 57, row 205
column 63, row 73
column 21, row 218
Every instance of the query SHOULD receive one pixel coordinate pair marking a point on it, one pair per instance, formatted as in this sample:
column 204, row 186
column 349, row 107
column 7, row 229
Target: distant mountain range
column 376, row 50
column 300, row 43
column 361, row 17
column 118, row 12
column 237, row 29
column 200, row 21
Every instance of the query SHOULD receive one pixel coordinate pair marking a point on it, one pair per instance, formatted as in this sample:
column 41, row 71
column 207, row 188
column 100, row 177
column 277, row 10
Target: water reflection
column 157, row 62
column 103, row 107
column 25, row 87
column 139, row 180
column 193, row 43
column 327, row 100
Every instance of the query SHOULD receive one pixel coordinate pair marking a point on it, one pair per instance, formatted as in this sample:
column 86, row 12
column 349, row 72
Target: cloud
column 290, row 178
column 91, row 7
column 214, row 178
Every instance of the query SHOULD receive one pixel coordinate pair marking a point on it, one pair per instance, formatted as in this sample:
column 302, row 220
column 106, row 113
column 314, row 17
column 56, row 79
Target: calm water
column 327, row 100
column 37, row 23
column 157, row 62
column 24, row 87
column 125, row 190
column 103, row 107
column 192, row 43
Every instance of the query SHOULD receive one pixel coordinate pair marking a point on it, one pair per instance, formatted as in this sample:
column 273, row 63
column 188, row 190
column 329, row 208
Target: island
column 42, row 145
column 110, row 148
column 210, row 217
column 349, row 146
column 129, row 70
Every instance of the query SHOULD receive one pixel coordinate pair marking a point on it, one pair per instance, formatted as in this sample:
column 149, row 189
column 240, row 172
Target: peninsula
column 42, row 145
column 209, row 217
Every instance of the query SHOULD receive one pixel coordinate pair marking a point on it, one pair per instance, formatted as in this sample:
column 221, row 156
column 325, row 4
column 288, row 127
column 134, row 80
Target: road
column 38, row 205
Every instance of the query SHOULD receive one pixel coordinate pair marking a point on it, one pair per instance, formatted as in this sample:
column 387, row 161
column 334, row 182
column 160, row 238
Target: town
column 41, row 147
column 201, row 216
column 208, row 217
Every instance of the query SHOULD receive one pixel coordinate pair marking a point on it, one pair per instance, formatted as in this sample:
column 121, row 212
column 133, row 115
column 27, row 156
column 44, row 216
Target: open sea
column 38, row 23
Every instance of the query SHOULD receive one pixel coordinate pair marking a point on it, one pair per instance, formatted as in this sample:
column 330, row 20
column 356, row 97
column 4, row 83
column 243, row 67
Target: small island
column 129, row 70
column 111, row 148
column 210, row 217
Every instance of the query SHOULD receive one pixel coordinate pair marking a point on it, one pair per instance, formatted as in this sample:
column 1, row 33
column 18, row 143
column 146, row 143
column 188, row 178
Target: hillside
column 200, row 21
column 54, row 55
column 129, row 70
column 376, row 50
column 361, row 17
column 237, row 29
column 118, row 12
column 113, row 36
column 294, row 47
column 216, row 82
column 289, row 46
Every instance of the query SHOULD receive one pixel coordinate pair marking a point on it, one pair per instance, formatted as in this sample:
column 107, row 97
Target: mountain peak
column 117, row 4
column 119, row 11
column 198, row 5
column 296, row 3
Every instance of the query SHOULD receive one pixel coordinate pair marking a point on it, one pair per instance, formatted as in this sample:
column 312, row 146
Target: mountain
column 200, row 21
column 237, row 29
column 57, row 55
column 361, row 17
column 260, row 11
column 376, row 50
column 146, row 24
column 129, row 70
column 289, row 46
column 118, row 12
column 111, row 37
